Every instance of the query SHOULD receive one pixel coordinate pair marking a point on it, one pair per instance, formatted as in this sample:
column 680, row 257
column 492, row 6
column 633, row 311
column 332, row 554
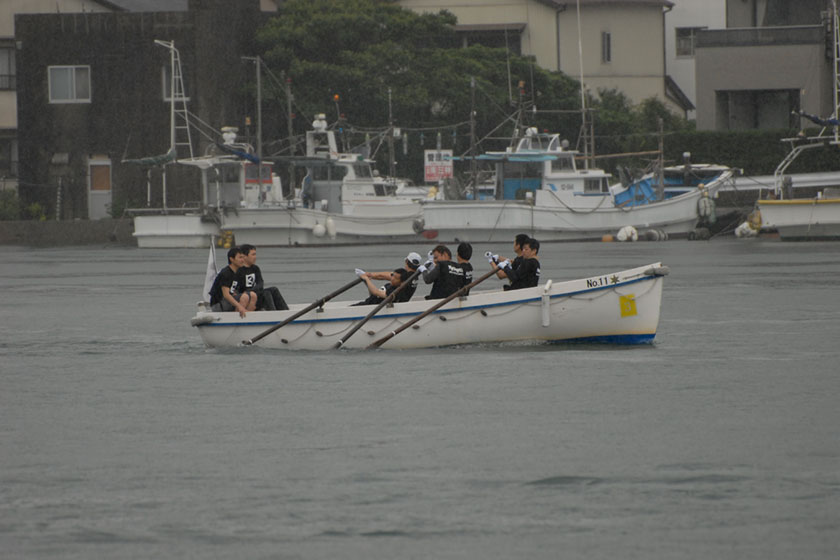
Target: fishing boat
column 615, row 308
column 340, row 201
column 541, row 191
column 817, row 217
column 803, row 219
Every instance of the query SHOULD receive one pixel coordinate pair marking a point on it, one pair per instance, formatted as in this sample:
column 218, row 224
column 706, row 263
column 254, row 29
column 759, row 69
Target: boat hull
column 547, row 220
column 802, row 219
column 168, row 231
column 619, row 308
column 267, row 227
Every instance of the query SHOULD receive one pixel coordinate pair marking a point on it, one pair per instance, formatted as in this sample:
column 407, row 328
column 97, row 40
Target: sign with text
column 438, row 165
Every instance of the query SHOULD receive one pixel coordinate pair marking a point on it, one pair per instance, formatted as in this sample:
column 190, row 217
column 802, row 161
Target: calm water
column 121, row 436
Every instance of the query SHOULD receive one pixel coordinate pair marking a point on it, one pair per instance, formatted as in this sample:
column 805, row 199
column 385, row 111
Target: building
column 773, row 58
column 682, row 25
column 623, row 44
column 8, row 71
column 92, row 91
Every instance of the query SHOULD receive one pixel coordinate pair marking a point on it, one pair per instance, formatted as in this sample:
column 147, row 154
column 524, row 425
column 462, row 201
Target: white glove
column 504, row 264
column 431, row 255
column 429, row 264
column 421, row 268
column 491, row 257
column 359, row 272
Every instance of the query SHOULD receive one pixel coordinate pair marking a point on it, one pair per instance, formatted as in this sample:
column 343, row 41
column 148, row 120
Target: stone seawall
column 51, row 233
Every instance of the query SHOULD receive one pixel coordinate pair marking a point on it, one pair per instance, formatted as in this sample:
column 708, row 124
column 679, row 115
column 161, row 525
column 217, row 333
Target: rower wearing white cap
column 412, row 261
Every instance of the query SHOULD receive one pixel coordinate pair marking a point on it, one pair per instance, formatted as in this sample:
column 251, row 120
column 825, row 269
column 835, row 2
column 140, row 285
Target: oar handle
column 388, row 299
column 432, row 309
column 307, row 309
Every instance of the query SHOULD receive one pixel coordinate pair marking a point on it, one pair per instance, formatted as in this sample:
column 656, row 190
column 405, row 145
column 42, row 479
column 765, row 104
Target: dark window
column 686, row 40
column 606, row 46
column 7, row 67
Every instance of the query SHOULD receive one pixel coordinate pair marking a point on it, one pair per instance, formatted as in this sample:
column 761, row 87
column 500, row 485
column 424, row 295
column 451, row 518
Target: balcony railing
column 761, row 36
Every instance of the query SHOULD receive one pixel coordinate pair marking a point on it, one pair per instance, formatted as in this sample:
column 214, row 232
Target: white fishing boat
column 340, row 201
column 615, row 308
column 541, row 191
column 803, row 219
column 817, row 217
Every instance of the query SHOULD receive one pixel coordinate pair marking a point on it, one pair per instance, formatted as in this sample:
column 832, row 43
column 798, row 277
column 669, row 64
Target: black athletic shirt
column 446, row 279
column 226, row 277
column 526, row 275
column 375, row 300
column 468, row 275
column 250, row 278
column 409, row 290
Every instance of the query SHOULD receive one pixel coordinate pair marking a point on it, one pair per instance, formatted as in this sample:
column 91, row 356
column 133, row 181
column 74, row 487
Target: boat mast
column 836, row 55
column 584, row 126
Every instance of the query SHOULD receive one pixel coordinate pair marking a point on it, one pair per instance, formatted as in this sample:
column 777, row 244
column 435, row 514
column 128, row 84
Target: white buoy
column 330, row 227
column 318, row 230
column 627, row 233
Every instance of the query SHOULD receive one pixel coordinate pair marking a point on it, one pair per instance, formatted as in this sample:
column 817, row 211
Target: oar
column 316, row 303
column 376, row 309
column 432, row 309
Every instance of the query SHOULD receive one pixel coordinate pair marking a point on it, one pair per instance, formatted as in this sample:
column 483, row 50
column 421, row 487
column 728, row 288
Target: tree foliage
column 381, row 59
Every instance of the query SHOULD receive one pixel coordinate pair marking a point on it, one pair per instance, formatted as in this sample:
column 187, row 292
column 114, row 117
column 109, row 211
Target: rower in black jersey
column 412, row 262
column 464, row 255
column 445, row 276
column 377, row 295
column 527, row 273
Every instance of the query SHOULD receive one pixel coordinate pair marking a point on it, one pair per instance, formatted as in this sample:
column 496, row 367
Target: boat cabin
column 541, row 166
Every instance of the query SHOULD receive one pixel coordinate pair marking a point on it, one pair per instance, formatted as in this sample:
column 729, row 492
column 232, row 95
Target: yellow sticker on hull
column 628, row 305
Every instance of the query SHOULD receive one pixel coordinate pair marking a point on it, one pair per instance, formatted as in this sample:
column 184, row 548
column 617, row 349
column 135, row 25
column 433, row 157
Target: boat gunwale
column 536, row 299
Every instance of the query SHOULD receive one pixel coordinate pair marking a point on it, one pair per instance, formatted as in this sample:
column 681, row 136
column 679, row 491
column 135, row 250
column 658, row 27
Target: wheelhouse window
column 69, row 84
column 595, row 186
column 563, row 164
column 8, row 73
column 362, row 171
column 606, row 46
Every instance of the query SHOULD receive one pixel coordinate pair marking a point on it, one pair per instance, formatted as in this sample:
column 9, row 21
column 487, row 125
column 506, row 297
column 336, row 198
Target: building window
column 8, row 156
column 69, row 84
column 7, row 67
column 606, row 46
column 686, row 39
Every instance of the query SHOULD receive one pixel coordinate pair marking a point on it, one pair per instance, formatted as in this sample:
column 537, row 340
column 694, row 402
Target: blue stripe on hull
column 626, row 339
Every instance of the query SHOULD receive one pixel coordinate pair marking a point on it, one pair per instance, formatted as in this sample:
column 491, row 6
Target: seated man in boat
column 226, row 294
column 377, row 295
column 527, row 273
column 518, row 243
column 412, row 261
column 464, row 253
column 250, row 279
column 445, row 276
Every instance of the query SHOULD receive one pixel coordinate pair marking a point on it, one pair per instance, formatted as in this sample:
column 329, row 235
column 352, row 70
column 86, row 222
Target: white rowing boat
column 616, row 308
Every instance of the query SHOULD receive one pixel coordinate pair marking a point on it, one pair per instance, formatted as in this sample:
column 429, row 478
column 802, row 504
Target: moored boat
column 541, row 191
column 804, row 219
column 617, row 308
